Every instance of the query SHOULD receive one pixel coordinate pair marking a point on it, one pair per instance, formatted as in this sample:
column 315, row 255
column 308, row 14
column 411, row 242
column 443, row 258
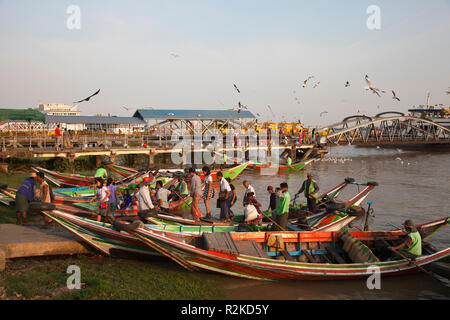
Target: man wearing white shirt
column 248, row 189
column 223, row 202
column 144, row 199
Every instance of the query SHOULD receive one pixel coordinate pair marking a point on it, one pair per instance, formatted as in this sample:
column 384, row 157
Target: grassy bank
column 103, row 278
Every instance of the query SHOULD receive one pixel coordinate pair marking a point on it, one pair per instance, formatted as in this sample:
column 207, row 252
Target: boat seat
column 224, row 242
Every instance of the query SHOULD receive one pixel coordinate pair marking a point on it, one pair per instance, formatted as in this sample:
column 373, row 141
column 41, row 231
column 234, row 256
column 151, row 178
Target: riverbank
column 103, row 278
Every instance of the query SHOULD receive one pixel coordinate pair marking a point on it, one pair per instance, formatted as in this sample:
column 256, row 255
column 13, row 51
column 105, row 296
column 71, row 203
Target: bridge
column 113, row 145
column 386, row 128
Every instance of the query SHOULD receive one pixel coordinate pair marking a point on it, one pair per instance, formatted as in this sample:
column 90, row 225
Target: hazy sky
column 266, row 47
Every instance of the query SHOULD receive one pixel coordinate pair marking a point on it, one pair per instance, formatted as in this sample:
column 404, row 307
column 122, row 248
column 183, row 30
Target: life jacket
column 416, row 246
column 311, row 189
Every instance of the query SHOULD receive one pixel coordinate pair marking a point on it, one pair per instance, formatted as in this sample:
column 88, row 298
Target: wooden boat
column 231, row 173
column 60, row 179
column 289, row 255
column 281, row 167
column 121, row 170
column 186, row 243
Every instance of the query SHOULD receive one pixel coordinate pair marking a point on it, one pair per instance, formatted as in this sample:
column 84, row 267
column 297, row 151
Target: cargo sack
column 357, row 251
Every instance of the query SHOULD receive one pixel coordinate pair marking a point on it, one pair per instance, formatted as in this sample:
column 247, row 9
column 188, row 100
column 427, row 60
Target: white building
column 59, row 109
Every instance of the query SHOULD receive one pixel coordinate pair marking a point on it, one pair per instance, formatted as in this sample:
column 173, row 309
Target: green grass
column 104, row 279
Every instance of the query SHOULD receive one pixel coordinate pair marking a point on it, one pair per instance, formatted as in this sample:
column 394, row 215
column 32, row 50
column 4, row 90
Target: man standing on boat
column 310, row 188
column 248, row 189
column 282, row 213
column 196, row 193
column 162, row 196
column 224, row 198
column 411, row 246
column 144, row 199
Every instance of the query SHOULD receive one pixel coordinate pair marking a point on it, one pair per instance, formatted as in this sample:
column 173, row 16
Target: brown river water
column 412, row 185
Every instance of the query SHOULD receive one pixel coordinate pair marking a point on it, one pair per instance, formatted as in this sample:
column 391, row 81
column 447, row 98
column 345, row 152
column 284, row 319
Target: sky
column 267, row 48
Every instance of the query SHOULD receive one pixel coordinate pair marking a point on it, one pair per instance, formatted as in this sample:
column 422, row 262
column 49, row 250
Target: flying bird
column 448, row 91
column 347, row 84
column 371, row 87
column 316, row 85
column 394, row 96
column 323, row 112
column 128, row 109
column 175, row 55
column 237, row 89
column 87, row 99
column 240, row 107
column 304, row 82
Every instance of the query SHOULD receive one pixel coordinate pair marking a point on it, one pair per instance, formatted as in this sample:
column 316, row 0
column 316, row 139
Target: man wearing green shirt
column 282, row 212
column 101, row 173
column 411, row 246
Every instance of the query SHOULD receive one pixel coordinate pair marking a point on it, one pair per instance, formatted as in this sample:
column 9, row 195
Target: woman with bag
column 103, row 197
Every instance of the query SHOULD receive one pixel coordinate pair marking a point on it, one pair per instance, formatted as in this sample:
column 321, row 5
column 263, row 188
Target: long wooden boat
column 121, row 170
column 60, row 179
column 300, row 256
column 109, row 241
column 281, row 167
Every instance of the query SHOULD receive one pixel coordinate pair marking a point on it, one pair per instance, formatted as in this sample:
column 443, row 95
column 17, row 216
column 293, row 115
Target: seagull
column 371, row 87
column 448, row 91
column 304, row 82
column 175, row 55
column 240, row 107
column 394, row 96
column 128, row 109
column 323, row 112
column 237, row 89
column 347, row 84
column 87, row 99
column 316, row 85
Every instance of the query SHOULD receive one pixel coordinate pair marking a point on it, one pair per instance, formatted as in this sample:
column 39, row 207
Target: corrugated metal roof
column 192, row 114
column 93, row 119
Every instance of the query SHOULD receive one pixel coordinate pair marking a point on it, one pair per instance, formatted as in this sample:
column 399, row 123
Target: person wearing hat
column 310, row 188
column 44, row 196
column 273, row 200
column 412, row 244
column 24, row 195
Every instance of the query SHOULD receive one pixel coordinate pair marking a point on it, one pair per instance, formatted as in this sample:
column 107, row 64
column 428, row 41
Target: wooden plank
column 332, row 251
column 287, row 256
column 309, row 256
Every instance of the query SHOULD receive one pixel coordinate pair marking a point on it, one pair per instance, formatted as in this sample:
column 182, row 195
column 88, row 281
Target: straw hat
column 33, row 175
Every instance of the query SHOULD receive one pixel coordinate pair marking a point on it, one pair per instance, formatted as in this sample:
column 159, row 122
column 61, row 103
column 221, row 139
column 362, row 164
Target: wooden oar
column 412, row 262
column 181, row 198
column 282, row 229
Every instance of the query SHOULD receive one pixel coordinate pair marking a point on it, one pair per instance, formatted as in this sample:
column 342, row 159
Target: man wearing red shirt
column 57, row 136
